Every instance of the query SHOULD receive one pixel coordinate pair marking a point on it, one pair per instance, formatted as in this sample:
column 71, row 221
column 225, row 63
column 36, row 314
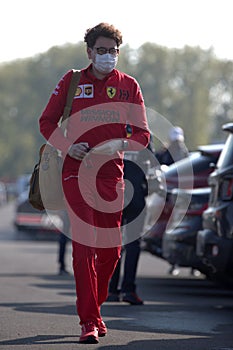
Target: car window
column 197, row 161
column 182, row 166
column 192, row 171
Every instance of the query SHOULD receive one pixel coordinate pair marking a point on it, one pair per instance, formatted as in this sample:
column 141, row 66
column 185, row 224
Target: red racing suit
column 94, row 187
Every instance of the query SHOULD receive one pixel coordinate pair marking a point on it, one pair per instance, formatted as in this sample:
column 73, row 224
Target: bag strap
column 71, row 92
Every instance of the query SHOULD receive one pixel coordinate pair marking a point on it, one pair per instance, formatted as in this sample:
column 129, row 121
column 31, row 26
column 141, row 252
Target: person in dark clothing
column 135, row 168
column 63, row 240
column 176, row 149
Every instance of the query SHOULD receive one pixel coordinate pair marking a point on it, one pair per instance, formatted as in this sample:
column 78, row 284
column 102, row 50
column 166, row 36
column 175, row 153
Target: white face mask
column 105, row 63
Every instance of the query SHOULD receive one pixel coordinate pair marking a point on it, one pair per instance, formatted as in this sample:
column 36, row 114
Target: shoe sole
column 89, row 340
column 102, row 334
column 132, row 303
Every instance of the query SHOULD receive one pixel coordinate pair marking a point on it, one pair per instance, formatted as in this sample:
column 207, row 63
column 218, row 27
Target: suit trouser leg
column 114, row 282
column 134, row 229
column 92, row 269
column 96, row 249
column 106, row 261
column 132, row 252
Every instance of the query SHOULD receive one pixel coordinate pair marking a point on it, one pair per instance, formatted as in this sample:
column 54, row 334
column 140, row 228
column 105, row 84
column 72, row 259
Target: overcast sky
column 29, row 27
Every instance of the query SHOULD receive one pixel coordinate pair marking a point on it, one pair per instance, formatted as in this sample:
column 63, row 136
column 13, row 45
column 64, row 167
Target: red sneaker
column 89, row 334
column 102, row 329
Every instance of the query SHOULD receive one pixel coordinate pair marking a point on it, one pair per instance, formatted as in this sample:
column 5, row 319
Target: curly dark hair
column 103, row 29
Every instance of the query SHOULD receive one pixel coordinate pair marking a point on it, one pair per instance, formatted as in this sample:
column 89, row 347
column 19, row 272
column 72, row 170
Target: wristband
column 124, row 145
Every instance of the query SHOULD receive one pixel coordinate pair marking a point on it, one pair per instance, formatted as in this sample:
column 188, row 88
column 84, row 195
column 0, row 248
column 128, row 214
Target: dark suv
column 179, row 242
column 199, row 161
column 215, row 241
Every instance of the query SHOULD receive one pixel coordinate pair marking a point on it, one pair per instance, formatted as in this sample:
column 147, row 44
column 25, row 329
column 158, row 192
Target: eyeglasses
column 103, row 50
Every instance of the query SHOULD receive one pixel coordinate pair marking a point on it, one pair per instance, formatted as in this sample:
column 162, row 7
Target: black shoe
column 132, row 298
column 63, row 272
column 113, row 297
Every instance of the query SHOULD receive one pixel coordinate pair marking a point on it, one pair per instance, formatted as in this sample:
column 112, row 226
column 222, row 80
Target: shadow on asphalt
column 161, row 344
column 173, row 296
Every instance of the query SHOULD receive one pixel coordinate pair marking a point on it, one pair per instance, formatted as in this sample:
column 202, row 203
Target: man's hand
column 108, row 148
column 78, row 151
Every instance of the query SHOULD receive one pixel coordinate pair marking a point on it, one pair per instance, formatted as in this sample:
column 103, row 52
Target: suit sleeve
column 138, row 120
column 49, row 120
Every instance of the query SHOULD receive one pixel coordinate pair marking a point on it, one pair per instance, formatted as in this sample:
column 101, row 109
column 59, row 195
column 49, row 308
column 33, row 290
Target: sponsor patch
column 78, row 92
column 84, row 91
column 88, row 91
column 124, row 95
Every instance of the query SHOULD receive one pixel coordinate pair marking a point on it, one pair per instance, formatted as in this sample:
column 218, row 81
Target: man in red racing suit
column 106, row 100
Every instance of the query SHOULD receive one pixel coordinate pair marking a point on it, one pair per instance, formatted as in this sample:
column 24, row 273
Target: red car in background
column 32, row 220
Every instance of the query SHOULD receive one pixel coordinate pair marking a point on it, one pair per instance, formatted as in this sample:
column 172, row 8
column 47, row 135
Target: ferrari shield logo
column 111, row 91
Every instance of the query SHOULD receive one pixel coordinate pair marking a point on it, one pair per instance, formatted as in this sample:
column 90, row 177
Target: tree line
column 190, row 87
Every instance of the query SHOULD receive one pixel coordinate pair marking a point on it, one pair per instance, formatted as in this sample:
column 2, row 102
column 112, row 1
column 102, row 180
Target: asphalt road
column 37, row 307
